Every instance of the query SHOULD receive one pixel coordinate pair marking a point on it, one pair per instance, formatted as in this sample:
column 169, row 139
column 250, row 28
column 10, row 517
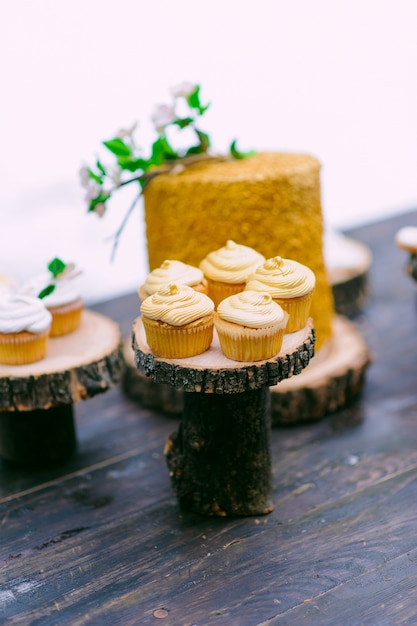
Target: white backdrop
column 335, row 79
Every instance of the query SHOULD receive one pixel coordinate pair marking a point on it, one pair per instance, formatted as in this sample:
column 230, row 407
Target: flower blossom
column 92, row 190
column 100, row 209
column 85, row 176
column 183, row 90
column 163, row 115
column 127, row 132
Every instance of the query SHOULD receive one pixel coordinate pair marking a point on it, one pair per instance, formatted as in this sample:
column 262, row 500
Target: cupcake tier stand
column 219, row 458
column 36, row 400
column 348, row 264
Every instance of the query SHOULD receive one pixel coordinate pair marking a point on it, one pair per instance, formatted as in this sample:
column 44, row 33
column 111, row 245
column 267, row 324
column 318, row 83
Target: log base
column 219, row 459
column 43, row 437
column 348, row 263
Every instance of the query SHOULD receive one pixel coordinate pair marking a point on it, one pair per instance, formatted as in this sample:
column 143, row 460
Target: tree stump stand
column 36, row 400
column 348, row 263
column 219, row 459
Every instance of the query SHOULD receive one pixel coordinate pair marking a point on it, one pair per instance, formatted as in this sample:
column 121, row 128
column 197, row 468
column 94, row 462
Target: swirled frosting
column 282, row 278
column 20, row 312
column 177, row 305
column 65, row 290
column 232, row 263
column 253, row 309
column 172, row 272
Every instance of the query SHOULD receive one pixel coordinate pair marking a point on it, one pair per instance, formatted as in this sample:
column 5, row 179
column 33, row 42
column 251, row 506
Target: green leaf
column 162, row 151
column 157, row 156
column 46, row 291
column 194, row 150
column 101, row 198
column 237, row 154
column 100, row 167
column 132, row 165
column 193, row 100
column 183, row 122
column 204, row 140
column 118, row 147
column 56, row 266
column 98, row 179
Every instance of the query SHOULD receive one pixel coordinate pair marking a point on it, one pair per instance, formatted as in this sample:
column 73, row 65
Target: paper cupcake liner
column 240, row 343
column 298, row 310
column 178, row 342
column 219, row 291
column 65, row 319
column 22, row 348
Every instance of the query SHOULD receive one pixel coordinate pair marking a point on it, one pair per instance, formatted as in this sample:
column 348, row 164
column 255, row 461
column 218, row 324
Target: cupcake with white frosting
column 250, row 326
column 228, row 268
column 59, row 292
column 178, row 321
column 291, row 285
column 24, row 328
column 172, row 271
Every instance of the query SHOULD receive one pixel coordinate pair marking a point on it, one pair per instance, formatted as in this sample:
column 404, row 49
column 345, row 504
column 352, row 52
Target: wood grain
column 212, row 372
column 102, row 540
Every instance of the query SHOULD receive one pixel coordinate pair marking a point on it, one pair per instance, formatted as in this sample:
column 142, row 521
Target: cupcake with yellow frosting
column 228, row 268
column 290, row 284
column 250, row 326
column 178, row 321
column 172, row 272
column 24, row 329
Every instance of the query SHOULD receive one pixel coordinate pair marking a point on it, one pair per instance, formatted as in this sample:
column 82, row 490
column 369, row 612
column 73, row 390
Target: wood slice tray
column 36, row 400
column 348, row 262
column 212, row 372
column 332, row 380
column 77, row 366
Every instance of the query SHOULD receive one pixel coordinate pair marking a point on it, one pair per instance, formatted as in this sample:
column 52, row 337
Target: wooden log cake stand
column 219, row 458
column 348, row 263
column 36, row 400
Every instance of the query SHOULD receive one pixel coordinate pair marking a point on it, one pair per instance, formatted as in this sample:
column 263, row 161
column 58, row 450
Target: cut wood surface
column 346, row 259
column 348, row 263
column 333, row 379
column 77, row 366
column 212, row 372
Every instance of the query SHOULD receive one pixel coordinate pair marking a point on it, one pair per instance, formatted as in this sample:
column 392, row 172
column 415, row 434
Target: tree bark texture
column 219, row 459
column 77, row 366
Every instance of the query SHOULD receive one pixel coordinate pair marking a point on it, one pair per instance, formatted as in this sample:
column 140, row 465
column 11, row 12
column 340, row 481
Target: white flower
column 183, row 90
column 115, row 174
column 127, row 132
column 84, row 176
column 163, row 115
column 100, row 209
column 92, row 190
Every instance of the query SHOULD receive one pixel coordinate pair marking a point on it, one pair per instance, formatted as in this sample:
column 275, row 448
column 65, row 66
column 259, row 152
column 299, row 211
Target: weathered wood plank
column 103, row 541
column 272, row 567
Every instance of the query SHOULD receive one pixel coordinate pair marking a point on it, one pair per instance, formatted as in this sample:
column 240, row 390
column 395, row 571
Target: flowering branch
column 102, row 181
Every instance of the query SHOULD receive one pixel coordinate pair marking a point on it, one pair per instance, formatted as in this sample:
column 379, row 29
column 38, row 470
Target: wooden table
column 102, row 540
